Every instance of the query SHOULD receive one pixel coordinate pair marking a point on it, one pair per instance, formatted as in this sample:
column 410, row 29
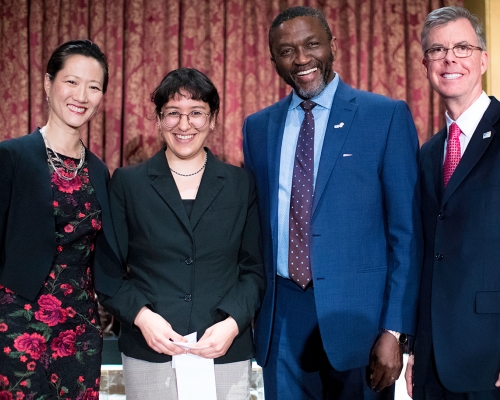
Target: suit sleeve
column 128, row 300
column 244, row 298
column 401, row 188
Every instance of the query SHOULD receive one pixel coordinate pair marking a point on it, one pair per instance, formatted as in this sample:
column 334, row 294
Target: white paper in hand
column 195, row 375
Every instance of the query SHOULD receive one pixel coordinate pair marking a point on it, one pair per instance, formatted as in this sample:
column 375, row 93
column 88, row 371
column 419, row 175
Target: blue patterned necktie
column 299, row 266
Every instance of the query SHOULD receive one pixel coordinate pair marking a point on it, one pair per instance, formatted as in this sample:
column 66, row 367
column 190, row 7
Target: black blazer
column 459, row 313
column 27, row 224
column 193, row 271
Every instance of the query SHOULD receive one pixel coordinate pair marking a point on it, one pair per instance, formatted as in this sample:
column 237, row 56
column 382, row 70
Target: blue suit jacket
column 366, row 233
column 459, row 310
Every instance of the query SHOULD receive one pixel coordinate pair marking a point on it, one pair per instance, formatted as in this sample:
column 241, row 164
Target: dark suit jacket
column 27, row 224
column 192, row 271
column 365, row 223
column 459, row 313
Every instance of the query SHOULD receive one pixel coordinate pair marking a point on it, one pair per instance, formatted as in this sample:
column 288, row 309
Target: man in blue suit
column 336, row 171
column 457, row 344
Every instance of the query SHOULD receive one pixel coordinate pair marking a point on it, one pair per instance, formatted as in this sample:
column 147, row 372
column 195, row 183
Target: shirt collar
column 469, row 120
column 324, row 99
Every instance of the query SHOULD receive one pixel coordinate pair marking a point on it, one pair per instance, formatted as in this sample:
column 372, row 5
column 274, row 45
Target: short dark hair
column 443, row 15
column 77, row 47
column 300, row 11
column 190, row 80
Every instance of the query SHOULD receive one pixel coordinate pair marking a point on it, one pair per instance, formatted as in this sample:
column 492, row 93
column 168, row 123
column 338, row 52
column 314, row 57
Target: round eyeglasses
column 460, row 51
column 197, row 119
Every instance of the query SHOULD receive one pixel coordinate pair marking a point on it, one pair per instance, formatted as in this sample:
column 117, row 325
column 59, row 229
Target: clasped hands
column 386, row 362
column 160, row 336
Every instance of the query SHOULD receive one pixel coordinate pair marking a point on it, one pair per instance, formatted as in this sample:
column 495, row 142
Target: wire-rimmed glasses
column 460, row 51
column 197, row 119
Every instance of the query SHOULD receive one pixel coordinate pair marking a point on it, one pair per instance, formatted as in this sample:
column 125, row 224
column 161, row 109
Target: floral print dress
column 51, row 348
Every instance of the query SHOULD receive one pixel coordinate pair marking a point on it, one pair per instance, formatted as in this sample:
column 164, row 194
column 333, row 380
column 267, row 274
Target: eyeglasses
column 460, row 51
column 196, row 119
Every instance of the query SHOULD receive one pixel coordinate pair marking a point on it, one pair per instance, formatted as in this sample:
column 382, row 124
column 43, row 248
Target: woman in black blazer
column 53, row 208
column 188, row 231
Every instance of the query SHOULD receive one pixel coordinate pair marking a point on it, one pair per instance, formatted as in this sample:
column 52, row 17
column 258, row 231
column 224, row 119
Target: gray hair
column 443, row 15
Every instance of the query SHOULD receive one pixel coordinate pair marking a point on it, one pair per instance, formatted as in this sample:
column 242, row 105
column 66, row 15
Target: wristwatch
column 400, row 337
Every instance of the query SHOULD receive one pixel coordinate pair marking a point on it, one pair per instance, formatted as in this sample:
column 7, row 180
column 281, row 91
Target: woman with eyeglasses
column 188, row 233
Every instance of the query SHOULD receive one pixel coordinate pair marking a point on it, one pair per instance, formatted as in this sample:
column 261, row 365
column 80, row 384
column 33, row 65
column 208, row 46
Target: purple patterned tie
column 299, row 266
column 453, row 153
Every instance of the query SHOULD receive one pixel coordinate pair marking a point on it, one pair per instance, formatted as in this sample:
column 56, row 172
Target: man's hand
column 409, row 375
column 218, row 338
column 386, row 361
column 158, row 332
column 497, row 383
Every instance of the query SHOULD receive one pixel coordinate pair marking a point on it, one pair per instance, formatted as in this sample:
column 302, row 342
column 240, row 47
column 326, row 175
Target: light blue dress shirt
column 293, row 122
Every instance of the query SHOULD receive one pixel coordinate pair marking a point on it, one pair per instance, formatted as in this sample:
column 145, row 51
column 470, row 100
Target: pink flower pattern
column 61, row 324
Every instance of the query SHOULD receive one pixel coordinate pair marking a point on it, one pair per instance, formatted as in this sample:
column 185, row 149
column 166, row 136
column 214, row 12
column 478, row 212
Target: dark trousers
column 298, row 367
column 433, row 389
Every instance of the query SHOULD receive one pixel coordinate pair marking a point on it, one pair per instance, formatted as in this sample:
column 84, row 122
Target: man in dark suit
column 336, row 172
column 457, row 344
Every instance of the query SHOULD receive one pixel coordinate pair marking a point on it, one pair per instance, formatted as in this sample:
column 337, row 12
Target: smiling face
column 456, row 80
column 75, row 92
column 303, row 55
column 183, row 141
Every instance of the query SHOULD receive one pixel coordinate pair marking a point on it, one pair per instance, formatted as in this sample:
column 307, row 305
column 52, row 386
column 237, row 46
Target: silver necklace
column 72, row 170
column 194, row 173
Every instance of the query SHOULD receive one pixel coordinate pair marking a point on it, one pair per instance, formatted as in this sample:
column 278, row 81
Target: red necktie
column 453, row 153
column 299, row 265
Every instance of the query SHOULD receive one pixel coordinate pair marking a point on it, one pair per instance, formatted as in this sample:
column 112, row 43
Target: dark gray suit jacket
column 192, row 271
column 27, row 225
column 459, row 310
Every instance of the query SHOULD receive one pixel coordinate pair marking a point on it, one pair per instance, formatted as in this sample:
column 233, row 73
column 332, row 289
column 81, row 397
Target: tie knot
column 307, row 105
column 454, row 131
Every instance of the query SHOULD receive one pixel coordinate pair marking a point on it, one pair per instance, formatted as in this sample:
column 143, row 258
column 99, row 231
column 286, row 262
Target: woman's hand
column 218, row 338
column 158, row 332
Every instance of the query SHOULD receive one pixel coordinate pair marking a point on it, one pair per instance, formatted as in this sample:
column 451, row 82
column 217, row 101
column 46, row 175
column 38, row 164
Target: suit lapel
column 436, row 156
column 99, row 176
column 163, row 183
column 38, row 155
column 475, row 149
column 275, row 131
column 212, row 182
column 343, row 111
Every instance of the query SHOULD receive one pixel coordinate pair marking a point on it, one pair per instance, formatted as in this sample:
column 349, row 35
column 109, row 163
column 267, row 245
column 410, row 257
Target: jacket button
column 188, row 261
column 439, row 256
column 187, row 297
column 441, row 215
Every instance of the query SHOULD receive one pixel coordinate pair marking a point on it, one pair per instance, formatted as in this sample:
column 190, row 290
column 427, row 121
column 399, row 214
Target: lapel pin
column 339, row 125
column 486, row 135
